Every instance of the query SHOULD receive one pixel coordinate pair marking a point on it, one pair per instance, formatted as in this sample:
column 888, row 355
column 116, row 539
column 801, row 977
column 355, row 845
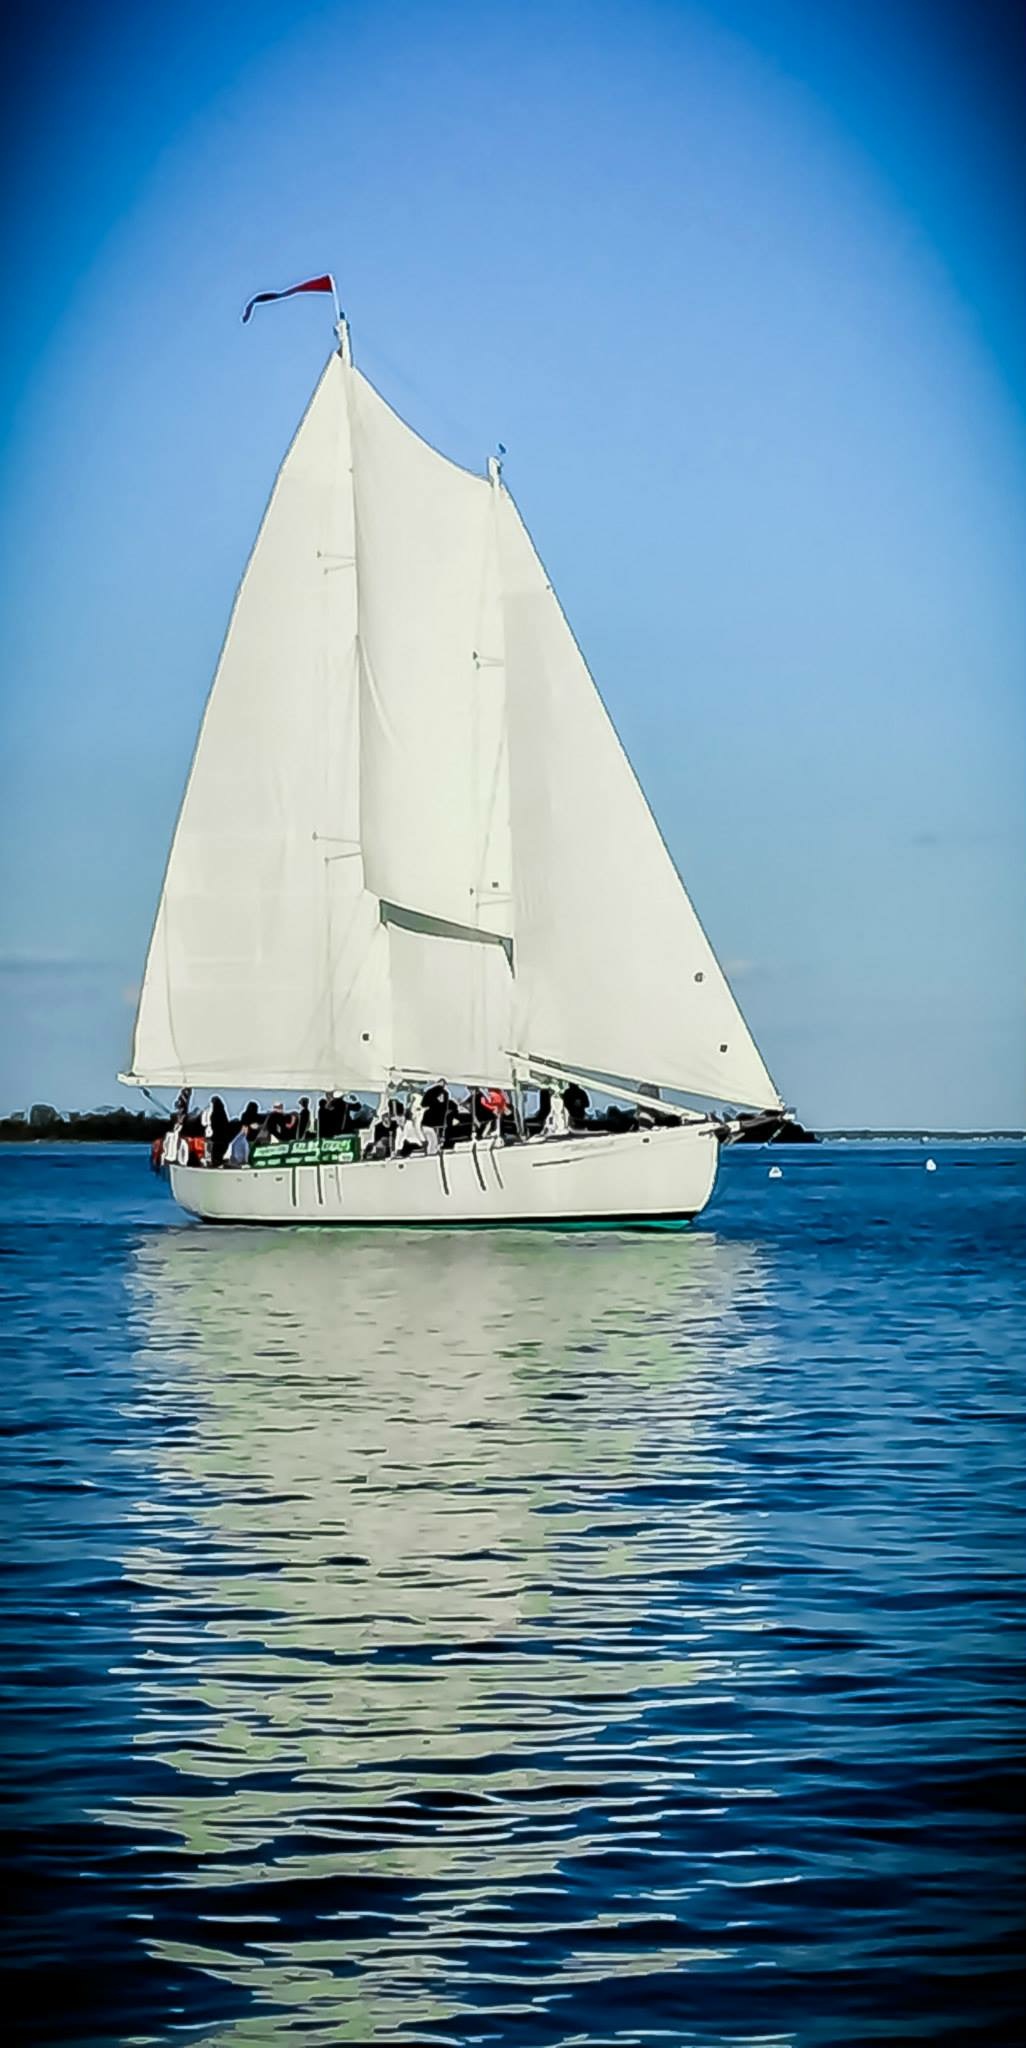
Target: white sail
column 434, row 791
column 614, row 973
column 434, row 797
column 266, row 962
column 410, row 841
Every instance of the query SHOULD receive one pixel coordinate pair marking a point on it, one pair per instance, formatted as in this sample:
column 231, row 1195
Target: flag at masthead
column 310, row 284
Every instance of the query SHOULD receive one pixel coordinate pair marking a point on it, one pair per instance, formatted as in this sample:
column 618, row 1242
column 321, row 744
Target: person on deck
column 303, row 1119
column 350, row 1115
column 413, row 1136
column 619, row 1118
column 379, row 1134
column 331, row 1120
column 493, row 1105
column 238, row 1149
column 216, row 1130
column 436, row 1108
column 275, row 1127
column 557, row 1123
column 357, row 1114
column 578, row 1103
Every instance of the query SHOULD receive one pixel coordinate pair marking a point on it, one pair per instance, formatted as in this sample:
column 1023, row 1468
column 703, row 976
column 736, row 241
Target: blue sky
column 740, row 288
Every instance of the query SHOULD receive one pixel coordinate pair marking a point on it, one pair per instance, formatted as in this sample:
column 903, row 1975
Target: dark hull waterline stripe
column 672, row 1221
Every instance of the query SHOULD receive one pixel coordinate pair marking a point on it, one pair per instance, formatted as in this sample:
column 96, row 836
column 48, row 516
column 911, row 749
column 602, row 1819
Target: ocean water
column 516, row 1639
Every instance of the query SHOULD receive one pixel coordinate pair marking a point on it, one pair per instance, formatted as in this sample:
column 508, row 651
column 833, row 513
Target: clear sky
column 739, row 285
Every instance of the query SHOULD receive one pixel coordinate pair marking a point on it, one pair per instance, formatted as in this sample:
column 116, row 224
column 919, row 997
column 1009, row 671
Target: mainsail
column 411, row 842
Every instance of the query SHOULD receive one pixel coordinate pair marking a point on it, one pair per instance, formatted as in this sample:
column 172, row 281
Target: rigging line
column 329, row 956
column 157, row 1105
column 500, row 756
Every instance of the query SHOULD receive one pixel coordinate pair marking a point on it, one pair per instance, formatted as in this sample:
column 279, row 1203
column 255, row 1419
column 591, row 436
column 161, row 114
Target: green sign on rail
column 311, row 1152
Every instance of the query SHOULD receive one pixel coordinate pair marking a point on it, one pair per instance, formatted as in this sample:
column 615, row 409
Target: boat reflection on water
column 431, row 1569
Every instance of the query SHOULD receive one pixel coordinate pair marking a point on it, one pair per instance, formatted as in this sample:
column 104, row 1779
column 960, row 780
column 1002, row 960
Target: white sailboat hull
column 642, row 1179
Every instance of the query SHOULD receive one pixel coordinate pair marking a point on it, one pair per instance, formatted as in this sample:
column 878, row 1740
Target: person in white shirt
column 413, row 1137
column 557, row 1123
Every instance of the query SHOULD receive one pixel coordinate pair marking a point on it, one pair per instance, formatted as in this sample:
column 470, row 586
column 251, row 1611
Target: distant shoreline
column 45, row 1126
column 919, row 1136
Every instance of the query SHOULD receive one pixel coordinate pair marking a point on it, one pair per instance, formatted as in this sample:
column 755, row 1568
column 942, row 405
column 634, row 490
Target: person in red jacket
column 494, row 1104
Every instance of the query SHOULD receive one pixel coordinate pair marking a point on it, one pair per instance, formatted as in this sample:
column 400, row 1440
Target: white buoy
column 931, row 1166
column 776, row 1173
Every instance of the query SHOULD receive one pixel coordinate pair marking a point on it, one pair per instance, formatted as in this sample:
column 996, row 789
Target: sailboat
column 412, row 846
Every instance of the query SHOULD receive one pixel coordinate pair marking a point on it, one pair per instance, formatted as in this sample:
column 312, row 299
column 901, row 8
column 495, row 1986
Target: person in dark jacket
column 217, row 1128
column 303, row 1119
column 274, row 1129
column 618, row 1119
column 578, row 1103
column 436, row 1109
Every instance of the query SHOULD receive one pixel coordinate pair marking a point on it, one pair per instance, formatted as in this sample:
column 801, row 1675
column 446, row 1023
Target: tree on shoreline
column 48, row 1125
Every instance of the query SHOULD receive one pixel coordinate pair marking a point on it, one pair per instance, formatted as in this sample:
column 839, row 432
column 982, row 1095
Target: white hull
column 635, row 1178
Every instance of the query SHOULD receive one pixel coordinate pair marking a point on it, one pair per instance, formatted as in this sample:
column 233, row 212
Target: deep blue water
column 517, row 1639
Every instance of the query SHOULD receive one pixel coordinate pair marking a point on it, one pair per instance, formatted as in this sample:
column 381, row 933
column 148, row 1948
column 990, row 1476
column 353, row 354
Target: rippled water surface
column 516, row 1638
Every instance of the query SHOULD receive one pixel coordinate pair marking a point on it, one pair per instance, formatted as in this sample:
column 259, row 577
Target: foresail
column 435, row 802
column 268, row 965
column 614, row 973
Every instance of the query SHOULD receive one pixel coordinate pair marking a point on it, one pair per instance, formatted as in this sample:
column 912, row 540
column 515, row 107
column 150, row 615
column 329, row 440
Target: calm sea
column 516, row 1639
